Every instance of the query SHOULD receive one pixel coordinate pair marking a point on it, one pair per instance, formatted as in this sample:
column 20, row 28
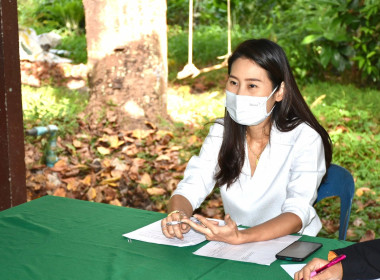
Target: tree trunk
column 127, row 58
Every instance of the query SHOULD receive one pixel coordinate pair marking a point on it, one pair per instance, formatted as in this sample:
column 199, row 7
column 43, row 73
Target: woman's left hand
column 228, row 233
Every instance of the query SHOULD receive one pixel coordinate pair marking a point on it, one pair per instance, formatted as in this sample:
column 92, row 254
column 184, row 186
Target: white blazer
column 286, row 178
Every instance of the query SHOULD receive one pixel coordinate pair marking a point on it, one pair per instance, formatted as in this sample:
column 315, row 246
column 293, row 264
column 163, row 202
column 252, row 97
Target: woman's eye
column 252, row 86
column 233, row 83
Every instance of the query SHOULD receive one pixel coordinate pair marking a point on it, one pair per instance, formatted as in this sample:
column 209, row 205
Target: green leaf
column 310, row 39
column 326, row 55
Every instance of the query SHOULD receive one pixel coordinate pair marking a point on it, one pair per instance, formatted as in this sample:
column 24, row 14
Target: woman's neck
column 259, row 133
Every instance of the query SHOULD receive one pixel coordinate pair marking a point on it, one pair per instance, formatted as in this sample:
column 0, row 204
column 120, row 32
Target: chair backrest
column 339, row 182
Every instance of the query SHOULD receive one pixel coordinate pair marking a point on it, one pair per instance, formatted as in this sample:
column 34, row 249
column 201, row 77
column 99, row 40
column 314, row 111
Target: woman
column 268, row 156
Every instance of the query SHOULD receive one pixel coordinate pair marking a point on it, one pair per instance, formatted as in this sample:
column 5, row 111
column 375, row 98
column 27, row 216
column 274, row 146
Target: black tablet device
column 298, row 251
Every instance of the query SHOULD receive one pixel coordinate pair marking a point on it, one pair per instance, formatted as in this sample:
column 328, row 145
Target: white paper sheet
column 152, row 233
column 263, row 252
column 291, row 269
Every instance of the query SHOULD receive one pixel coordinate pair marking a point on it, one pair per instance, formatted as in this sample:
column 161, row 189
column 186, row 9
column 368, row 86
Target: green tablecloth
column 61, row 238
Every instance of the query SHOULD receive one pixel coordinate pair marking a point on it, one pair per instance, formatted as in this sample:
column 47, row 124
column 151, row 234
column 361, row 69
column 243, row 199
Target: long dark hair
column 287, row 114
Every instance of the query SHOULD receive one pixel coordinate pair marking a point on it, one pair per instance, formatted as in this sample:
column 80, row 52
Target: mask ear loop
column 270, row 95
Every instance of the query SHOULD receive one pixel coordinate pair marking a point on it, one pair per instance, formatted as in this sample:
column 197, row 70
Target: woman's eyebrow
column 248, row 79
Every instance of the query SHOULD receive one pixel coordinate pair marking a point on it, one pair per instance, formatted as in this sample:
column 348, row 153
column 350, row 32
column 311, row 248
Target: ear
column 280, row 93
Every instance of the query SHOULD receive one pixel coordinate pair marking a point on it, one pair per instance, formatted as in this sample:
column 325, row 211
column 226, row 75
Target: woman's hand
column 228, row 233
column 175, row 230
column 334, row 272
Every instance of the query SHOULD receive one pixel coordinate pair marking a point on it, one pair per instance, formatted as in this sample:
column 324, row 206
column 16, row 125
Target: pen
column 195, row 220
column 336, row 260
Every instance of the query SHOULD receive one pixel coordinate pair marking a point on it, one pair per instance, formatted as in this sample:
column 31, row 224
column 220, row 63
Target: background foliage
column 333, row 48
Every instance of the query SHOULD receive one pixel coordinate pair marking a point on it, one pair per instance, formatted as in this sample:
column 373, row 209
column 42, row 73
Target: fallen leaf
column 193, row 139
column 154, row 191
column 91, row 194
column 358, row 222
column 140, row 134
column 86, row 180
column 77, row 144
column 369, row 235
column 60, row 192
column 330, row 225
column 163, row 157
column 59, row 166
column 109, row 181
column 351, row 233
column 103, row 151
column 172, row 184
column 115, row 142
column 116, row 202
column 72, row 183
column 214, row 203
column 146, row 180
column 359, row 192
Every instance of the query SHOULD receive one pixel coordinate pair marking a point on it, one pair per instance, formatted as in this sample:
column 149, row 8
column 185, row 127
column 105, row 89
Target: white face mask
column 247, row 110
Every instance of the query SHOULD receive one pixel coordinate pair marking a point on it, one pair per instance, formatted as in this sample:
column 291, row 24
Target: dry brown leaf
column 87, row 180
column 60, row 192
column 128, row 139
column 145, row 180
column 116, row 173
column 193, row 139
column 330, row 226
column 114, row 141
column 59, row 166
column 351, row 233
column 77, row 144
column 163, row 157
column 154, row 191
column 110, row 194
column 131, row 150
column 72, row 183
column 359, row 192
column 109, row 181
column 151, row 125
column 116, row 202
column 99, row 195
column 111, row 116
column 106, row 162
column 175, row 148
column 108, row 130
column 214, row 203
column 91, row 194
column 358, row 222
column 172, row 184
column 369, row 235
column 103, row 151
column 104, row 139
column 140, row 134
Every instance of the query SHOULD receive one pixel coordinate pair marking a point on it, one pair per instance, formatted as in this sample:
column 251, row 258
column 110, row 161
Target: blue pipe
column 51, row 146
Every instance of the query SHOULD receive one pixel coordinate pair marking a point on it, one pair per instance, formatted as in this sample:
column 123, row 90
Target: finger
column 164, row 228
column 229, row 222
column 298, row 275
column 177, row 229
column 194, row 225
column 206, row 222
column 185, row 228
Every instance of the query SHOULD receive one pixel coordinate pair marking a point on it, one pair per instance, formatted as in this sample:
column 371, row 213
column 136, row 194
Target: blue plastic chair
column 339, row 182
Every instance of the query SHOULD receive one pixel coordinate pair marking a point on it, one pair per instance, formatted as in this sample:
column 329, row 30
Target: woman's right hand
column 334, row 272
column 175, row 230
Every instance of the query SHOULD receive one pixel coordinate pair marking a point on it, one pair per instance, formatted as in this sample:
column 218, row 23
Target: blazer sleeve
column 362, row 260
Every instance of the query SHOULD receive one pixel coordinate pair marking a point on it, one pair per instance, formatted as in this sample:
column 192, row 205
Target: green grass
column 47, row 105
